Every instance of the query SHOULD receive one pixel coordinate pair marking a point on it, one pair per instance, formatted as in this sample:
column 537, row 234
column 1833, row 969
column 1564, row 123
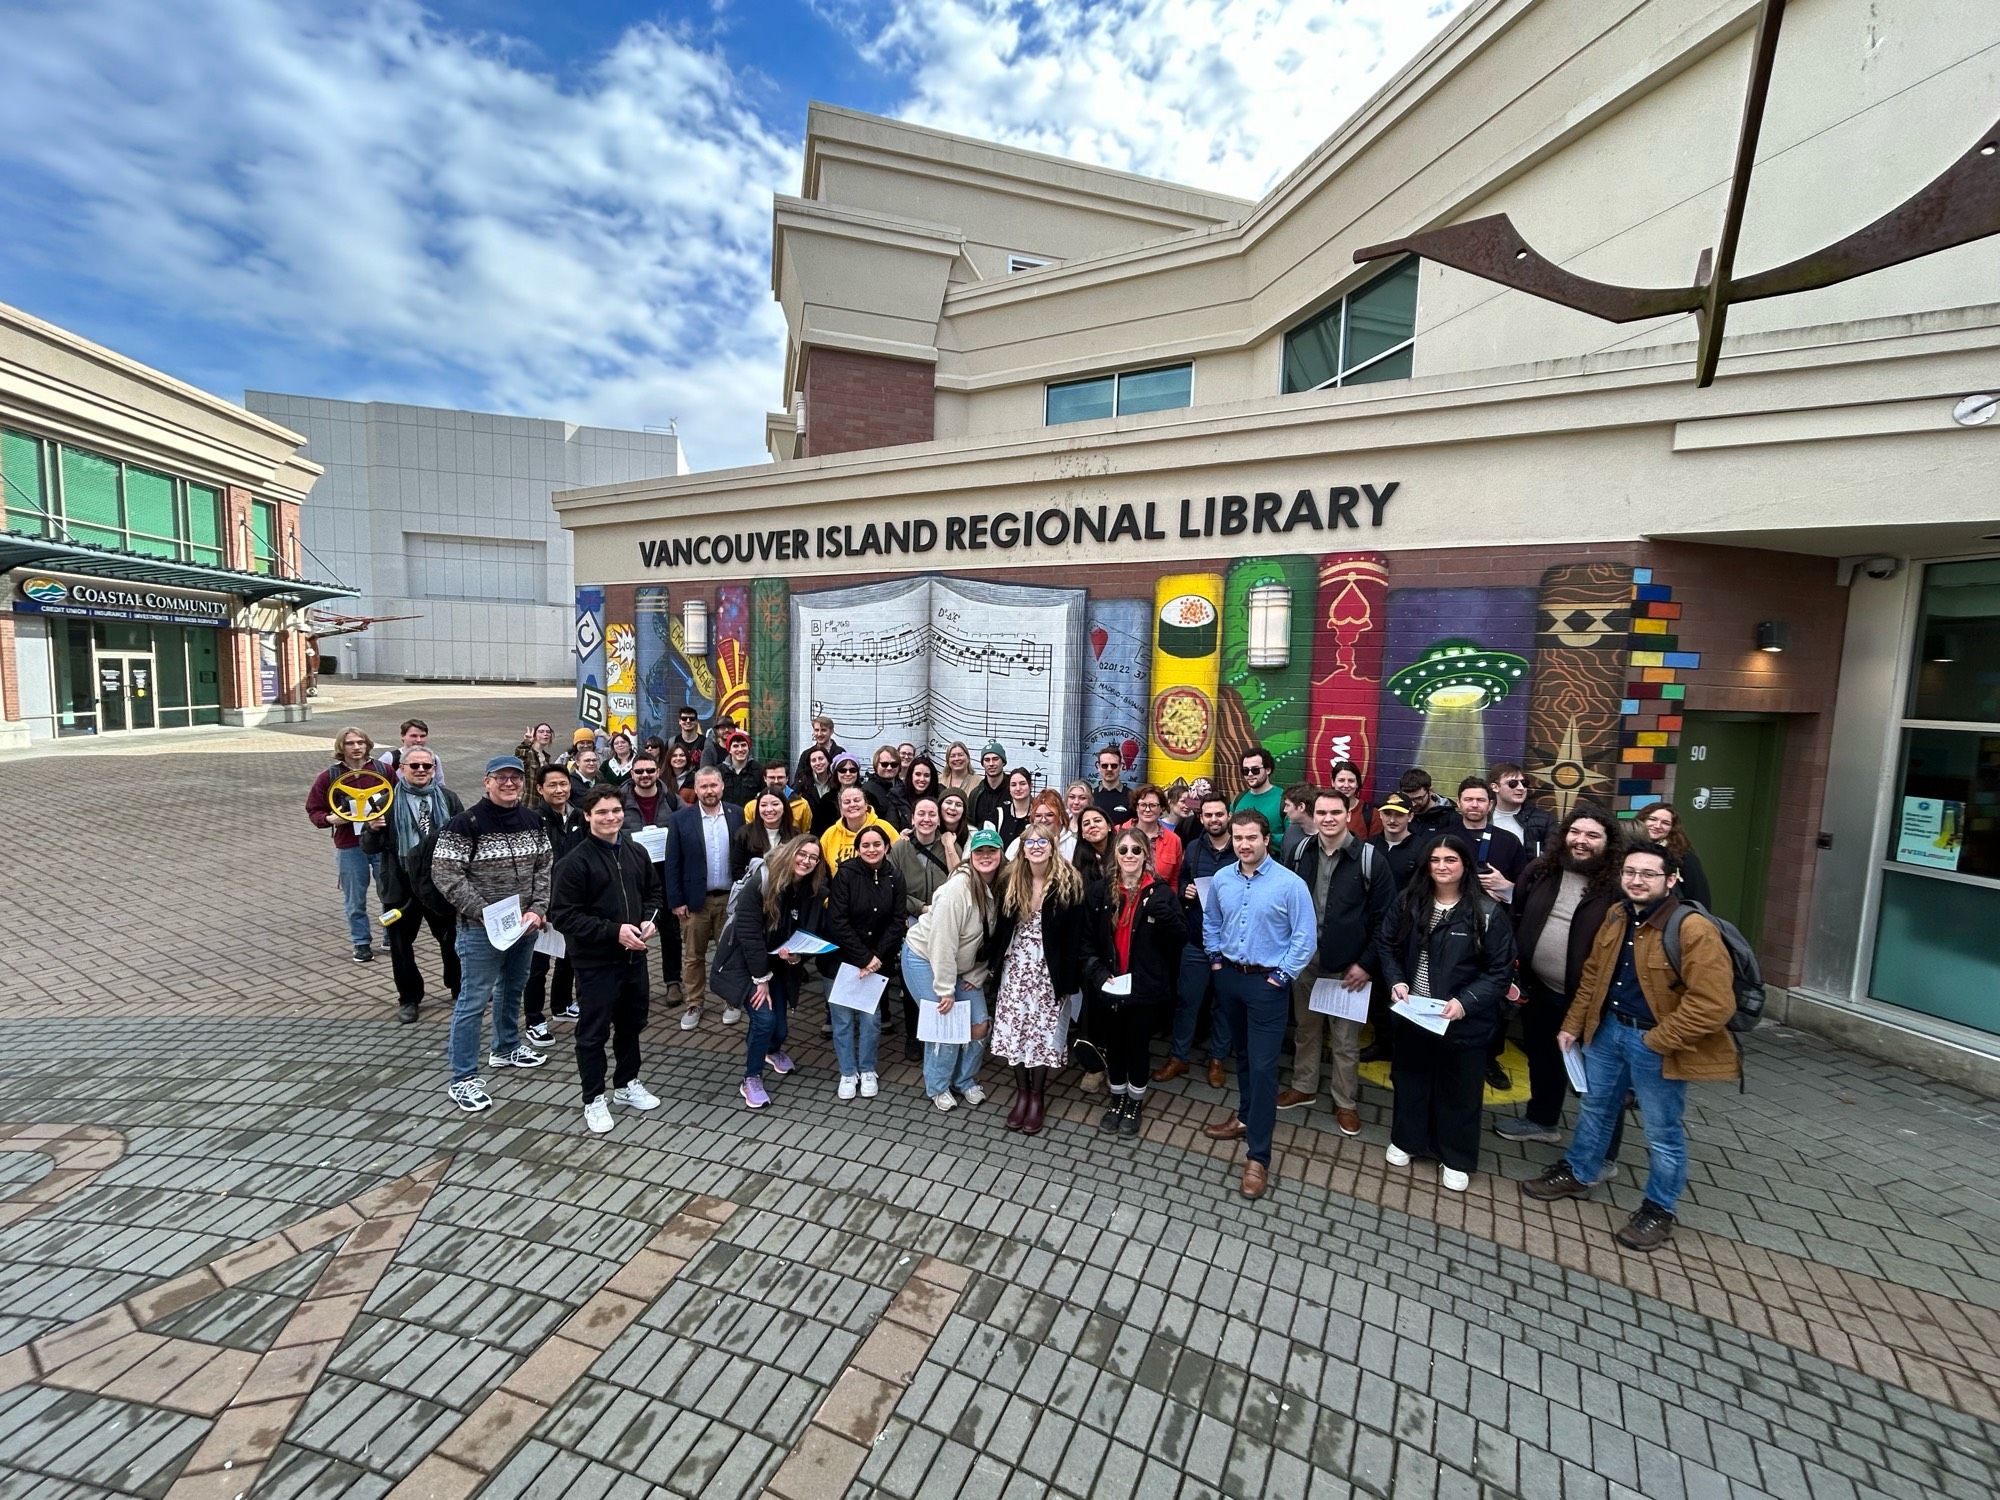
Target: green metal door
column 1727, row 793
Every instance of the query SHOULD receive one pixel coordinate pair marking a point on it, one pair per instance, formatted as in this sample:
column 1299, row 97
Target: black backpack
column 1745, row 977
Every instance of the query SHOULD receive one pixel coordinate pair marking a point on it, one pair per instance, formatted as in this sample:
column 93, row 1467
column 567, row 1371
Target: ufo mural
column 1458, row 676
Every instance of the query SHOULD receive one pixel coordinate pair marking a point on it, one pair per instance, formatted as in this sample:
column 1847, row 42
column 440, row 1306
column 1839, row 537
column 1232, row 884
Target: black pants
column 670, row 947
column 1548, row 1081
column 1439, row 1089
column 538, row 986
column 403, row 951
column 1127, row 1037
column 613, row 1003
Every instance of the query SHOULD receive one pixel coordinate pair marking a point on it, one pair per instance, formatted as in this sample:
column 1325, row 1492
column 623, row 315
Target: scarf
column 418, row 815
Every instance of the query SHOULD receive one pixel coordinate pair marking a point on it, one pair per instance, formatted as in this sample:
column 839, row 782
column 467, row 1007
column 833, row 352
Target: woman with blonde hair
column 1040, row 940
column 945, row 964
column 787, row 893
column 959, row 774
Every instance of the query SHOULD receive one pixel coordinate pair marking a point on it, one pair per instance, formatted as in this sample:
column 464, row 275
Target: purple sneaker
column 753, row 1093
column 779, row 1062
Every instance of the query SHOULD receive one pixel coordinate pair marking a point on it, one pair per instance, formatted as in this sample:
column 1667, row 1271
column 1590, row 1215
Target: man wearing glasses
column 1260, row 794
column 689, row 734
column 1513, row 811
column 495, row 849
column 1109, row 796
column 421, row 810
column 647, row 805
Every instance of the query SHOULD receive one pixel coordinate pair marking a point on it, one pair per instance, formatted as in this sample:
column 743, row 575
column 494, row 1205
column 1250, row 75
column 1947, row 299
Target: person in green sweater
column 1260, row 793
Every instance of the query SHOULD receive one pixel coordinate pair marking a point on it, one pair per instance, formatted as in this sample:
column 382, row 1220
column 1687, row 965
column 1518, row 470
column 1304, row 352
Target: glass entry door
column 125, row 692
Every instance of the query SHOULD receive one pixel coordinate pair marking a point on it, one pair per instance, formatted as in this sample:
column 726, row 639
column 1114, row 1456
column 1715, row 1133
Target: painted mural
column 1579, row 678
column 588, row 639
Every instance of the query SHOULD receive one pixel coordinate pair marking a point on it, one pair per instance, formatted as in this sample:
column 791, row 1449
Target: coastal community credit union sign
column 42, row 595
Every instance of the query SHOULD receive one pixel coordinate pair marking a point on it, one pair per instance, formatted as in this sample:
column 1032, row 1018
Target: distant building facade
column 445, row 516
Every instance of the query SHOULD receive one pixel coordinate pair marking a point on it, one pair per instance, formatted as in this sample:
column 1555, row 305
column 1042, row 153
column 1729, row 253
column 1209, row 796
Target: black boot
column 1114, row 1117
column 1129, row 1125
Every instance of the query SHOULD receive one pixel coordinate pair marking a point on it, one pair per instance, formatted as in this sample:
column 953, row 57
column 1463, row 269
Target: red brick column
column 10, row 686
column 856, row 401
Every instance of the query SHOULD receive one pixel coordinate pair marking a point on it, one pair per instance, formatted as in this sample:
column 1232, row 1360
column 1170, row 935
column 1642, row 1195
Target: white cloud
column 471, row 231
column 1223, row 94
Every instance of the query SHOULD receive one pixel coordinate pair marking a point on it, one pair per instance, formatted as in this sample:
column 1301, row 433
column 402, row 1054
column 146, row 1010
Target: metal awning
column 19, row 550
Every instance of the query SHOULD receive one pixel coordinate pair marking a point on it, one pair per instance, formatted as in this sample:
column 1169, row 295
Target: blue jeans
column 1618, row 1060
column 1194, row 982
column 772, row 1024
column 1257, row 1011
column 353, row 869
column 947, row 1065
column 487, row 976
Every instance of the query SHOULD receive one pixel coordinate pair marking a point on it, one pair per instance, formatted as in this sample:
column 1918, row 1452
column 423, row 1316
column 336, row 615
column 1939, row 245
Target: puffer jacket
column 864, row 912
column 1471, row 961
column 1691, row 1011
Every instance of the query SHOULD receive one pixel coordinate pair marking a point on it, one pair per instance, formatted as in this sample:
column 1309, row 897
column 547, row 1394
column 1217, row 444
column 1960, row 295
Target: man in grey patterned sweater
column 495, row 849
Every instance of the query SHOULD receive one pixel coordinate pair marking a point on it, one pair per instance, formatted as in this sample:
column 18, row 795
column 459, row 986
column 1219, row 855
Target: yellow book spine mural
column 1187, row 669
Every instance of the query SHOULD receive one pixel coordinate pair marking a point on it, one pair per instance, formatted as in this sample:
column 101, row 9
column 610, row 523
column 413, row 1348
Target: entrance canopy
column 18, row 550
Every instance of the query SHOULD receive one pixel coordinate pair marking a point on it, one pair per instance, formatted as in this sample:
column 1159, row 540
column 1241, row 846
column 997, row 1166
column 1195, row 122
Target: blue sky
column 564, row 210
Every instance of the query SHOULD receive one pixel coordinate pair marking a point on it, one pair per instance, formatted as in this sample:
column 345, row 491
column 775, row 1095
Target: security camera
column 1881, row 568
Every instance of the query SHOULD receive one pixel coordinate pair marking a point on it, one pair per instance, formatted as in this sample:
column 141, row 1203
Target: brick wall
column 10, row 686
column 856, row 401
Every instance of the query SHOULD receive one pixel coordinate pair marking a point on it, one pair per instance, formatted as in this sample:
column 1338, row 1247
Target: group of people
column 1070, row 926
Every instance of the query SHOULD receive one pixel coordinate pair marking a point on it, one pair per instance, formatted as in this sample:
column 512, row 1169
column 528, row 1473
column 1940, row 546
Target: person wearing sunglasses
column 1513, row 811
column 1040, row 942
column 1260, row 793
column 649, row 803
column 1135, row 929
column 688, row 735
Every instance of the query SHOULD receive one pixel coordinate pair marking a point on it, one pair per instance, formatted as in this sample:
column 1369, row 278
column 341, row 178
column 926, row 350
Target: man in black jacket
column 990, row 797
column 1559, row 903
column 1513, row 811
column 1351, row 889
column 567, row 829
column 605, row 901
column 402, row 838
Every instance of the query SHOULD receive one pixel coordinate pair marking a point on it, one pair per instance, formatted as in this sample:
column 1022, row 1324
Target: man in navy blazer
column 698, row 886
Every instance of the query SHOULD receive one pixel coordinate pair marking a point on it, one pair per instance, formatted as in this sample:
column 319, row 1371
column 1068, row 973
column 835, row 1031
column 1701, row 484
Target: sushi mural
column 1315, row 657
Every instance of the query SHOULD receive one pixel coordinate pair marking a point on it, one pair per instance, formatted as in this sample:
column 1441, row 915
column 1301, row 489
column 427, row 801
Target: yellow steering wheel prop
column 360, row 797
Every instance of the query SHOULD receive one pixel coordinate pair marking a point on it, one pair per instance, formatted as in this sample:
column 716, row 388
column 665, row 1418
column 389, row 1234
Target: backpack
column 751, row 878
column 1744, row 976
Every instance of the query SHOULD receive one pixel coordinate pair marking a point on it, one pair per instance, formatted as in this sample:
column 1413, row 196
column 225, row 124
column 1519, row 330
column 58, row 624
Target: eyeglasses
column 1034, row 842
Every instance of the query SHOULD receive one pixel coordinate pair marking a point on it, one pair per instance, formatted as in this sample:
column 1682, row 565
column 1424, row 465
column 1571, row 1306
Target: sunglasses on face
column 1512, row 781
column 1253, row 770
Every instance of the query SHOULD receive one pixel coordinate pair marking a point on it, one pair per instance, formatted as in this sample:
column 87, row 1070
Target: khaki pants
column 1311, row 1038
column 700, row 927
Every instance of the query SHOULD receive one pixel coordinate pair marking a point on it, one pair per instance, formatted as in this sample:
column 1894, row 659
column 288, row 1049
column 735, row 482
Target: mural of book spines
column 1458, row 678
column 1350, row 613
column 1265, row 705
column 650, row 609
column 1655, row 692
column 1582, row 620
column 770, row 669
column 621, row 659
column 588, row 640
column 1117, row 673
column 732, row 654
column 1187, row 668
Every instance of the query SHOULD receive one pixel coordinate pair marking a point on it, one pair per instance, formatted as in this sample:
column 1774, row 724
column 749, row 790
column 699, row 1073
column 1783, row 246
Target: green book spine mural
column 1267, row 635
column 770, row 667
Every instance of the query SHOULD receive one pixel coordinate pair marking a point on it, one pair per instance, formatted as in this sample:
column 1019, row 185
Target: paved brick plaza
column 246, row 1244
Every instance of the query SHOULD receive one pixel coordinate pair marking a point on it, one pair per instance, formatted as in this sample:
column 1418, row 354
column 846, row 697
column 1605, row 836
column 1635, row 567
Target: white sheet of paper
column 806, row 945
column 1424, row 1011
column 955, row 1027
column 654, row 842
column 1118, row 984
column 856, row 990
column 1201, row 885
column 1075, row 1004
column 503, row 922
column 1330, row 999
column 1573, row 1062
column 551, row 942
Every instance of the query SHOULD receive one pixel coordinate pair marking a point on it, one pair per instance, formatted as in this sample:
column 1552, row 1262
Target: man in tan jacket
column 1640, row 1027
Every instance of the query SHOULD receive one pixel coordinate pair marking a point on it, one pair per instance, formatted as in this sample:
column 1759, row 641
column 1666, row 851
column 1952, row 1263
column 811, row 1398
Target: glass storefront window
column 26, row 500
column 171, row 669
column 204, row 677
column 204, row 525
column 76, row 690
column 1934, row 949
column 151, row 513
column 264, row 536
column 1956, row 674
column 90, row 499
column 1947, row 816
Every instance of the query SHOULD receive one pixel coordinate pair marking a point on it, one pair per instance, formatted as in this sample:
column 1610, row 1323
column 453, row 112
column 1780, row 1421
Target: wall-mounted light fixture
column 1270, row 625
column 694, row 627
column 1773, row 636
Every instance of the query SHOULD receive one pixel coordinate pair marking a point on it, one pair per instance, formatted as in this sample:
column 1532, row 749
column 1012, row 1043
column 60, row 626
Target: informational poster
column 1931, row 833
column 267, row 667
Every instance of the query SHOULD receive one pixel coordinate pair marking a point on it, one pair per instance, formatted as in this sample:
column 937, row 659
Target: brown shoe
column 1254, row 1177
column 1169, row 1070
column 1216, row 1077
column 1292, row 1098
column 1229, row 1128
column 1349, row 1121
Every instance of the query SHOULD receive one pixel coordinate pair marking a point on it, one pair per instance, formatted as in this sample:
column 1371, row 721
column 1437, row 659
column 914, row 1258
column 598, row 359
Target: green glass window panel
column 90, row 498
column 149, row 503
column 170, row 669
column 1081, row 400
column 76, row 691
column 1155, row 390
column 263, row 531
column 1382, row 315
column 1957, row 671
column 1934, row 949
column 1948, row 813
column 204, row 678
column 1390, row 367
column 21, row 477
column 1312, row 351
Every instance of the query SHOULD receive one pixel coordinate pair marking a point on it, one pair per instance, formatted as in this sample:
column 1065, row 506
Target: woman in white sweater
column 944, row 963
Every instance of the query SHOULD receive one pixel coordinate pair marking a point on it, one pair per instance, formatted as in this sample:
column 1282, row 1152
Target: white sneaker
column 975, row 1095
column 847, row 1083
column 523, row 1056
column 470, row 1095
column 690, row 1019
column 637, row 1096
column 1453, row 1181
column 597, row 1115
column 946, row 1100
column 1396, row 1156
column 731, row 1015
column 870, row 1085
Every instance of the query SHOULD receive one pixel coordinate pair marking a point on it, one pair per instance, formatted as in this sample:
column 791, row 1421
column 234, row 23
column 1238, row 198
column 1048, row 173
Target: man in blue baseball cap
column 495, row 849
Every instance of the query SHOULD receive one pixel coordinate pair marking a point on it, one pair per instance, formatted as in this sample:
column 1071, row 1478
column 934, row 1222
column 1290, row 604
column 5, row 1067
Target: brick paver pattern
column 246, row 1245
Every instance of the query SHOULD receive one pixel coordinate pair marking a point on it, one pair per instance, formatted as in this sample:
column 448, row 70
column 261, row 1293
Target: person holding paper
column 864, row 919
column 1040, row 940
column 1134, row 932
column 1448, row 941
column 494, row 850
column 650, row 803
column 606, row 903
column 778, row 899
column 399, row 843
column 926, row 857
column 945, row 957
column 697, row 878
column 567, row 828
column 1202, row 855
column 1351, row 890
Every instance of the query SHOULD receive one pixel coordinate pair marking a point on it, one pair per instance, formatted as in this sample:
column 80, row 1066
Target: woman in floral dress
column 1040, row 942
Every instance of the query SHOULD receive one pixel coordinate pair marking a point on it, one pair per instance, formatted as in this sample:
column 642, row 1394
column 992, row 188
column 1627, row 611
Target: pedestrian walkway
column 240, row 1224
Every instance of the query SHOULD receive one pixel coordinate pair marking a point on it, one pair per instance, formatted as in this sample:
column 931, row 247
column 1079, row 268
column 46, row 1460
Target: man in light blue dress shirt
column 1260, row 932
